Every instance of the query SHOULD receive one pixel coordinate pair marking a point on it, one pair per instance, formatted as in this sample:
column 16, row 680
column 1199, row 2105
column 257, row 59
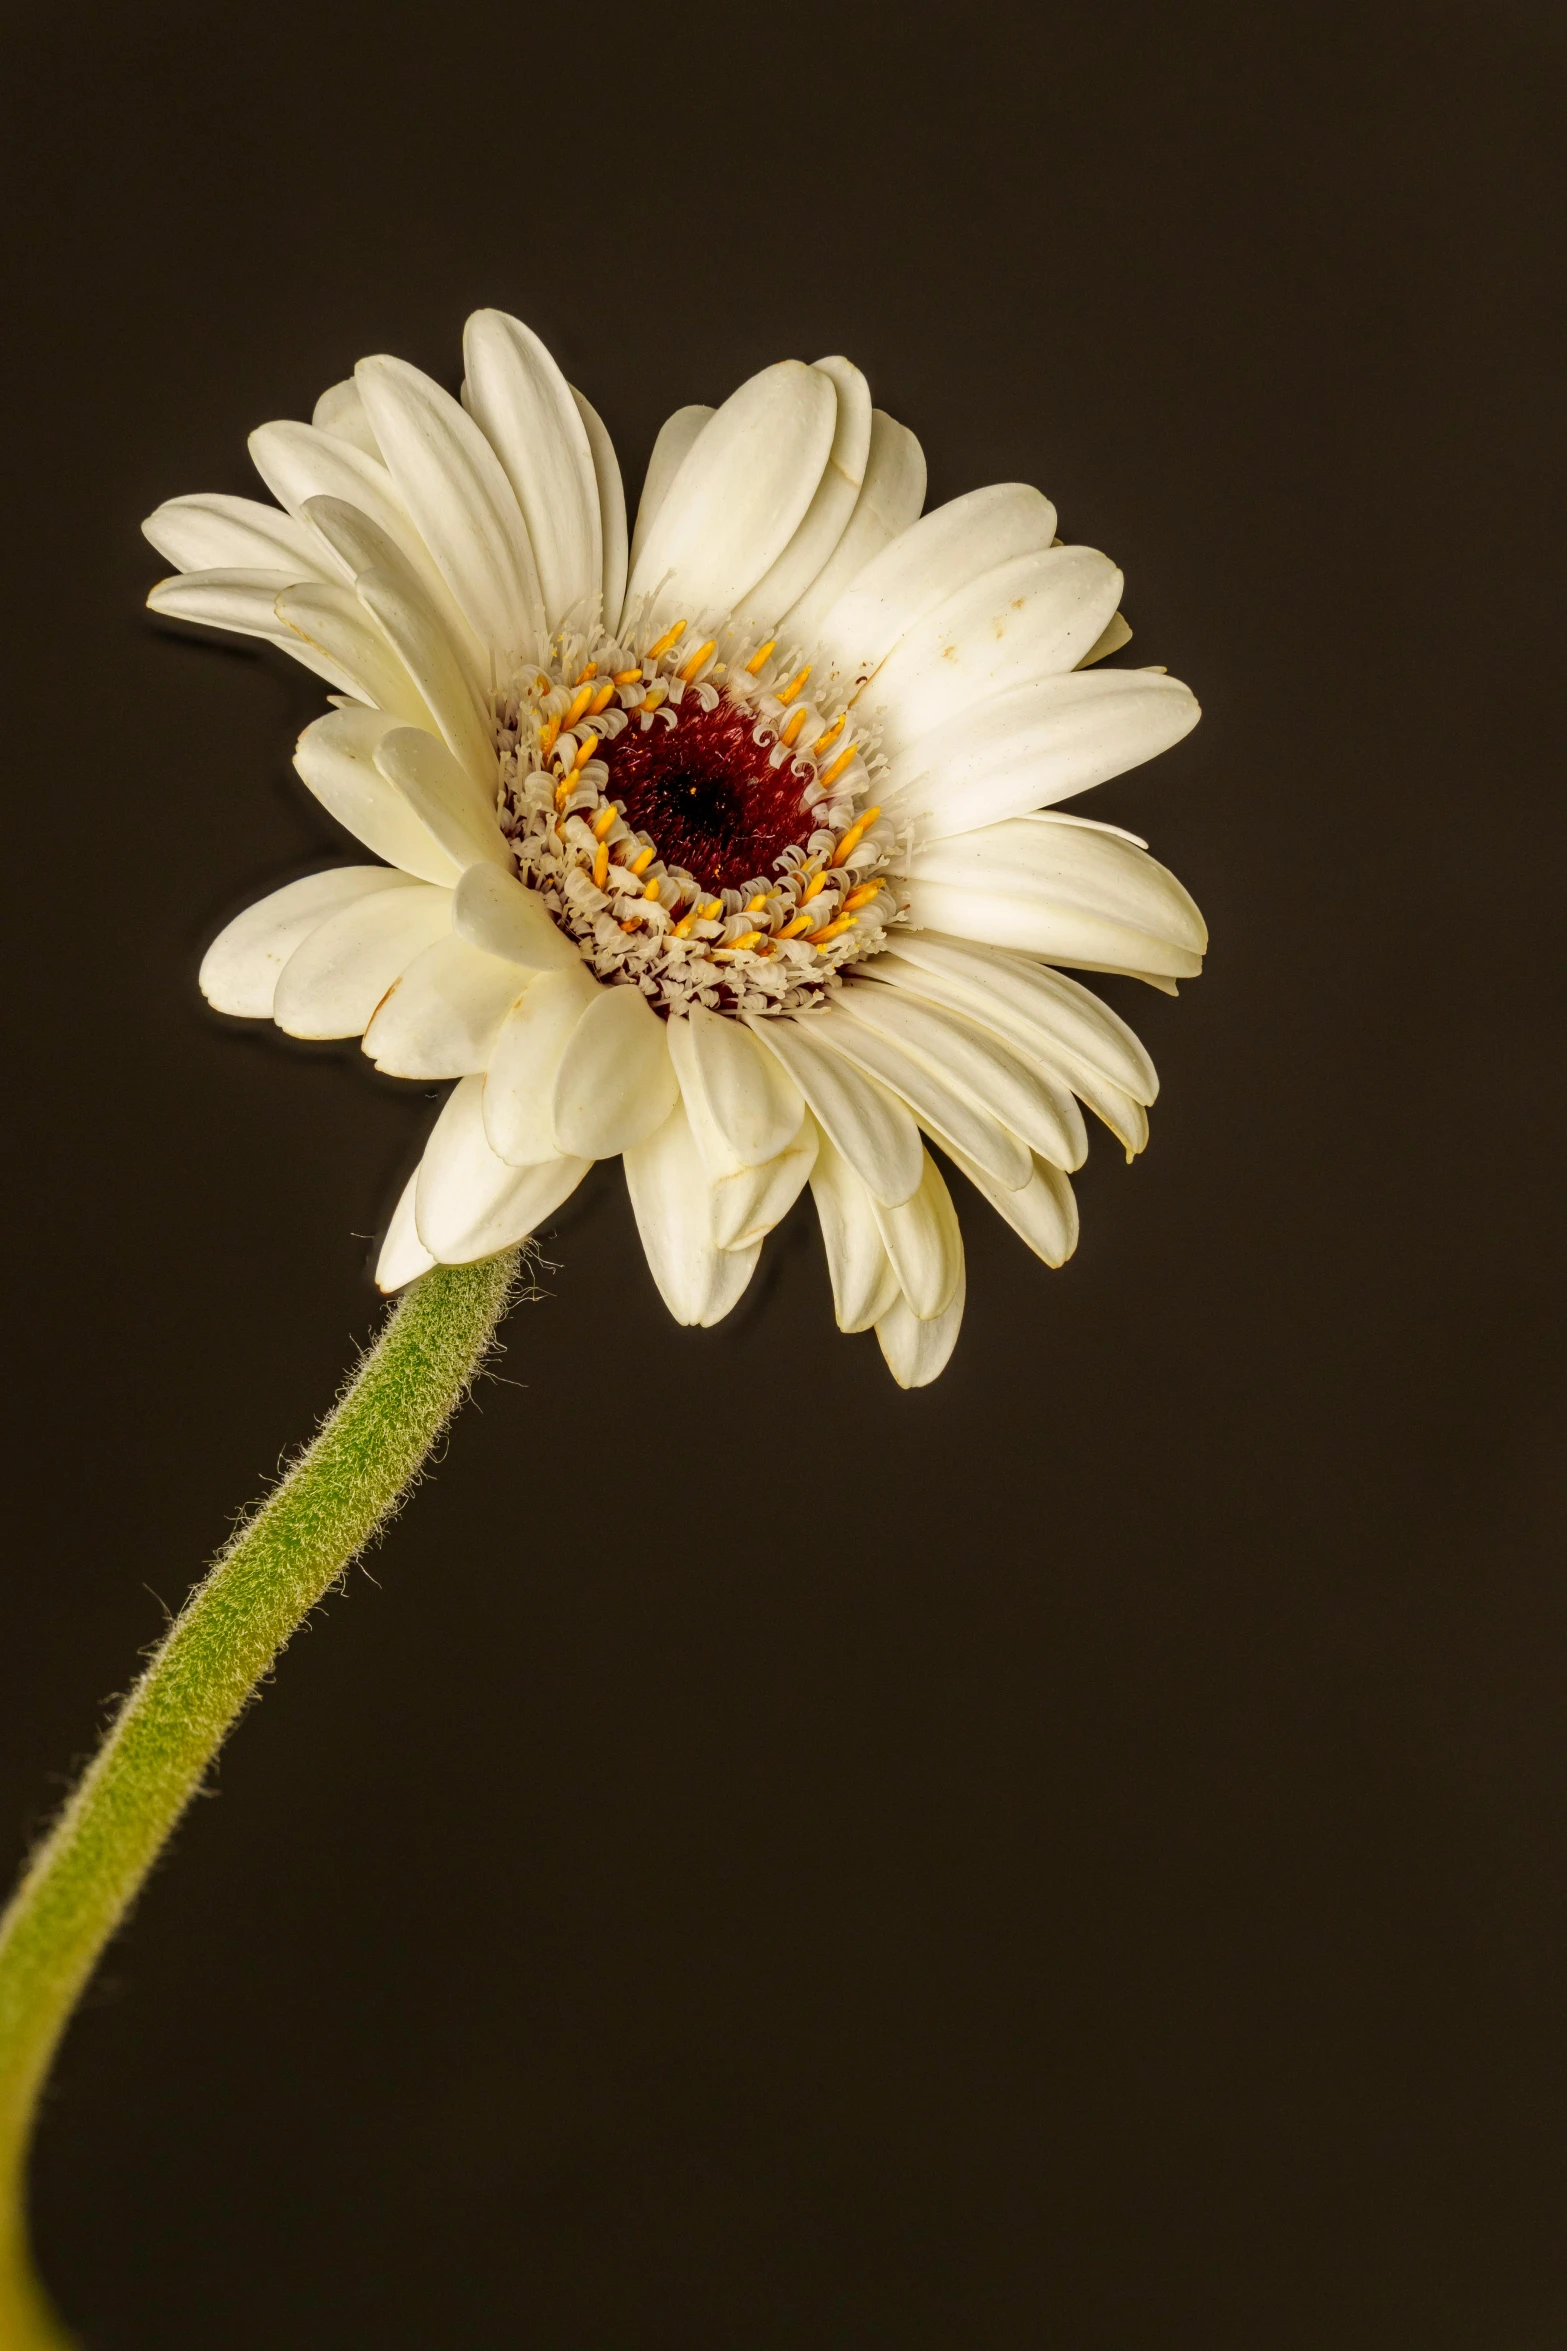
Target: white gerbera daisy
column 735, row 852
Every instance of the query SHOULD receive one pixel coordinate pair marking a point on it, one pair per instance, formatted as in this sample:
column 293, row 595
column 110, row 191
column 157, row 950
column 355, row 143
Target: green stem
column 87, row 1872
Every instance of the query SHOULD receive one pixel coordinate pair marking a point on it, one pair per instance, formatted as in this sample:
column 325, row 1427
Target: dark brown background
column 1076, row 1858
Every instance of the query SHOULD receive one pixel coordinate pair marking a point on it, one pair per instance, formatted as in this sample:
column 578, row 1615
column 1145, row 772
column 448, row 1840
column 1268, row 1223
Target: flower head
column 736, row 852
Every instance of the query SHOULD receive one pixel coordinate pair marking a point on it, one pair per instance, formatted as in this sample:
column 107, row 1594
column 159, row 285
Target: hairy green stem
column 84, row 1876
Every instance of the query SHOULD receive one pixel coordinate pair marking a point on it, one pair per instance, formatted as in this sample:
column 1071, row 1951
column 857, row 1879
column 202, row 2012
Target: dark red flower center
column 705, row 792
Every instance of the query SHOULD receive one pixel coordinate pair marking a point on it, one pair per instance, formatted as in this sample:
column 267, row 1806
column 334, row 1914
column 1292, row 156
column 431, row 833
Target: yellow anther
column 643, row 859
column 604, row 822
column 862, row 896
column 564, row 789
column 792, row 930
column 583, row 676
column 851, row 839
column 818, row 882
column 825, row 742
column 839, row 764
column 628, row 677
column 631, row 925
column 688, row 669
column 651, row 700
column 541, row 684
column 686, row 925
column 602, row 699
column 579, row 703
column 547, row 734
column 601, row 864
column 791, row 732
column 653, row 888
column 585, row 750
column 753, row 666
column 845, row 922
column 746, row 939
column 794, row 685
column 756, row 904
column 669, row 637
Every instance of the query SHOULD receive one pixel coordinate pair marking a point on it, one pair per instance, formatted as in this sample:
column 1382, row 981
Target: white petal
column 1117, row 632
column 441, row 1018
column 922, row 1239
column 672, row 1202
column 444, row 797
column 890, row 499
column 1064, row 934
column 975, row 1061
column 495, row 911
column 336, row 756
column 870, row 1127
column 732, row 1271
column 747, row 1204
column 333, row 620
column 522, row 404
column 360, row 545
column 951, row 1117
column 1043, row 1212
column 827, row 516
column 211, row 532
column 1027, row 619
column 333, row 981
column 469, row 1204
column 451, row 482
column 926, row 564
column 1034, row 746
column 751, row 1103
column 612, row 508
column 1044, row 1008
column 341, row 412
column 246, row 602
column 240, row 970
column 864, row 1285
column 1065, row 863
column 519, row 1085
column 917, row 1352
column 404, row 1256
column 420, row 643
column 670, row 451
column 739, row 497
column 615, row 1082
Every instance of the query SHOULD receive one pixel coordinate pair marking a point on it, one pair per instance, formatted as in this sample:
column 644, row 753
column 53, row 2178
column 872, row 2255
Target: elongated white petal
column 922, row 1240
column 333, row 981
column 1036, row 745
column 1027, row 619
column 335, row 757
column 926, row 564
column 739, row 497
column 731, row 1084
column 672, row 1202
column 670, row 451
column 212, row 532
column 1043, row 1212
column 871, row 1127
column 523, row 405
column 1063, row 934
column 417, row 638
column 918, row 1352
column 890, row 499
column 519, row 1084
column 1023, row 998
column 465, row 509
column 441, row 1017
column 469, row 1204
column 341, row 412
column 246, row 603
column 364, row 549
column 1117, row 632
column 240, row 970
column 1065, row 863
column 732, row 1271
column 612, row 508
column 864, row 1285
column 404, row 1256
column 495, row 911
column 975, row 1062
column 442, row 794
column 747, row 1204
column 954, row 1119
column 333, row 620
column 826, row 518
column 615, row 1082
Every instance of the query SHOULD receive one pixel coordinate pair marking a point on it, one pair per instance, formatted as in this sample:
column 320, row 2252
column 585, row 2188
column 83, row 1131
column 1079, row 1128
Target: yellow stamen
column 601, row 864
column 753, row 666
column 564, row 789
column 669, row 637
column 791, row 732
column 688, row 669
column 654, row 886
column 604, row 822
column 583, row 676
column 547, row 734
column 845, row 922
column 627, row 677
column 651, row 701
column 792, row 930
column 862, row 896
column 746, row 939
column 541, row 685
column 631, row 925
column 585, row 750
column 851, row 839
column 643, row 859
column 825, row 742
column 579, row 703
column 818, row 882
column 838, row 766
column 602, row 699
column 795, row 684
column 759, row 901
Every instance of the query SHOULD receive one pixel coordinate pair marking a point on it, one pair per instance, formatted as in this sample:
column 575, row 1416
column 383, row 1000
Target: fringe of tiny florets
column 782, row 941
